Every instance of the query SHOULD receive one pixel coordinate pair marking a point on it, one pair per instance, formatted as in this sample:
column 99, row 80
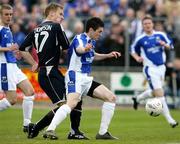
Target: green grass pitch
column 131, row 127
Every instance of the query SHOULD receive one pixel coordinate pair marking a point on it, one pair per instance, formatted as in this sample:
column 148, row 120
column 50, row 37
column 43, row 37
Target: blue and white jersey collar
column 89, row 40
column 7, row 27
column 153, row 32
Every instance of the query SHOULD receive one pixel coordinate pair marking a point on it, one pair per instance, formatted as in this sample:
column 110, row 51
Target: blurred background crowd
column 122, row 24
column 122, row 20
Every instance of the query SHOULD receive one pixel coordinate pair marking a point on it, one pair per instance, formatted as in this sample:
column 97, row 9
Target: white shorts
column 155, row 76
column 10, row 75
column 77, row 82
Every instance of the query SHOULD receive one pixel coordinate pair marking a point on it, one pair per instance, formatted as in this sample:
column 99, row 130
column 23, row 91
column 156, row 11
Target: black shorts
column 94, row 85
column 52, row 83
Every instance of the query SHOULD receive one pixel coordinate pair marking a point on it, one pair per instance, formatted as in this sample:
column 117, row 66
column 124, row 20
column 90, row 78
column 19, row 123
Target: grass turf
column 131, row 127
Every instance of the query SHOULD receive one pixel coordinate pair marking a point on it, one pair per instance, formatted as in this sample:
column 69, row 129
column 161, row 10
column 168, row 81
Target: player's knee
column 13, row 101
column 114, row 98
column 29, row 92
column 72, row 104
column 72, row 100
column 111, row 98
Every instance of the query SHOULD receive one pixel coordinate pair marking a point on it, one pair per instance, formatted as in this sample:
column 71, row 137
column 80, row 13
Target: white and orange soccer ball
column 154, row 107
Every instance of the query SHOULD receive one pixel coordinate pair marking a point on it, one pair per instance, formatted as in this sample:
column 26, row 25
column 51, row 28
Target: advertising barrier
column 125, row 85
column 33, row 77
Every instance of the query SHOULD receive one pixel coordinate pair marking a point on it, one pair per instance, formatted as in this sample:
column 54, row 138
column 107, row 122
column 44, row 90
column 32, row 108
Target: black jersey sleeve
column 28, row 42
column 62, row 38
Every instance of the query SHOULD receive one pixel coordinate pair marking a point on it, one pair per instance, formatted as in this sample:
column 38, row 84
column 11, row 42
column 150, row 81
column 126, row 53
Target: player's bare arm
column 13, row 47
column 137, row 57
column 29, row 59
column 113, row 54
column 82, row 50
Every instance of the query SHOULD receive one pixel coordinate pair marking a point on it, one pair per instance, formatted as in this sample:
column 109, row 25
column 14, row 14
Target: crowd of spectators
column 120, row 17
column 122, row 24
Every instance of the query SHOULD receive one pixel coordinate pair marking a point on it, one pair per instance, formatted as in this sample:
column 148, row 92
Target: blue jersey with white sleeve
column 6, row 40
column 80, row 62
column 149, row 48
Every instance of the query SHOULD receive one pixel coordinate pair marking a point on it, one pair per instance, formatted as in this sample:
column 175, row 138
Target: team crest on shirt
column 158, row 38
column 4, row 79
column 71, row 83
column 88, row 59
column 145, row 42
column 5, row 36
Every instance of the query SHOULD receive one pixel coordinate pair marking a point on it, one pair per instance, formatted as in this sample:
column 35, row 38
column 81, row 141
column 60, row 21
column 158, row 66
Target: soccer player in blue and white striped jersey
column 79, row 83
column 149, row 49
column 10, row 75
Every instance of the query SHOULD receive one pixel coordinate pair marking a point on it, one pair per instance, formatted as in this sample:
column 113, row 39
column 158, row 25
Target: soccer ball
column 154, row 107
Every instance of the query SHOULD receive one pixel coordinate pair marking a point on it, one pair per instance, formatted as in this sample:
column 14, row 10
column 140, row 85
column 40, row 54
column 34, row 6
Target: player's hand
column 114, row 54
column 13, row 47
column 139, row 59
column 17, row 54
column 35, row 68
column 162, row 43
column 88, row 47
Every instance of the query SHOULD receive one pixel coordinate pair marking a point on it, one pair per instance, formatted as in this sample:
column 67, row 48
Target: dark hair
column 52, row 7
column 5, row 6
column 147, row 17
column 94, row 23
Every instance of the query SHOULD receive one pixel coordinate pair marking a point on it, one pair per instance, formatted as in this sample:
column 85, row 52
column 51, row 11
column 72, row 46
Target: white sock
column 4, row 104
column 107, row 114
column 59, row 116
column 144, row 95
column 166, row 112
column 27, row 107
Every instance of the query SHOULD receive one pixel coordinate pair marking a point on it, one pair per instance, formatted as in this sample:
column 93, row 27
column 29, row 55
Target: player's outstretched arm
column 113, row 54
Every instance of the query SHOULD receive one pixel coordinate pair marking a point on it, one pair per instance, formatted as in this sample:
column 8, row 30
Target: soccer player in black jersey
column 50, row 40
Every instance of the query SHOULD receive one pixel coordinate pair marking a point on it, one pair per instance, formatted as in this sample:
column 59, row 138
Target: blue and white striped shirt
column 80, row 62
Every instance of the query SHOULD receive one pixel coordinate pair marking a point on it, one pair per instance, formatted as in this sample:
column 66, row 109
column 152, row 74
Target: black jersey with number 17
column 48, row 39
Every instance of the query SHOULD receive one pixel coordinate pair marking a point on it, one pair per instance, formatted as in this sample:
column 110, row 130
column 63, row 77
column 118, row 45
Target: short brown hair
column 149, row 17
column 5, row 6
column 52, row 7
